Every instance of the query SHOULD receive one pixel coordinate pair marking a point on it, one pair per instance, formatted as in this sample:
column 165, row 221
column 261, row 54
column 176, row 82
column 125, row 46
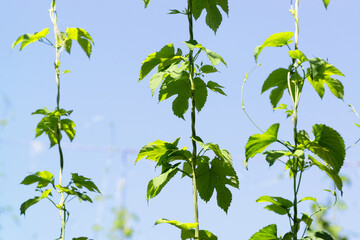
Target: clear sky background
column 115, row 115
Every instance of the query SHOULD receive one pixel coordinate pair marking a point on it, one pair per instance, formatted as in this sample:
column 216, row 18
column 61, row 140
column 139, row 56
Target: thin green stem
column 193, row 120
column 58, row 49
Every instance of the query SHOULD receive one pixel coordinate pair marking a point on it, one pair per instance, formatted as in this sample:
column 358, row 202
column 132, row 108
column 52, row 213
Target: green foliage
column 42, row 179
column 51, row 125
column 275, row 40
column 173, row 76
column 326, row 3
column 258, row 142
column 82, row 37
column 28, row 203
column 28, row 38
column 279, row 205
column 266, row 233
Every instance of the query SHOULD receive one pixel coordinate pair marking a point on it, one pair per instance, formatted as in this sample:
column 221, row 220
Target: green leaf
column 203, row 235
column 220, row 153
column 326, row 3
column 320, row 235
column 82, row 37
column 200, row 93
column 180, row 225
column 258, row 142
column 214, row 58
column 158, row 151
column 266, row 233
column 278, row 80
column 330, row 172
column 213, row 15
column 158, row 183
column 146, row 2
column 81, row 181
column 320, row 72
column 42, row 178
column 220, row 174
column 215, row 87
column 81, row 238
column 68, row 126
column 329, row 146
column 297, row 54
column 25, row 205
column 182, row 89
column 308, row 199
column 208, row 69
column 26, row 39
column 272, row 156
column 279, row 205
column 275, row 40
column 306, row 219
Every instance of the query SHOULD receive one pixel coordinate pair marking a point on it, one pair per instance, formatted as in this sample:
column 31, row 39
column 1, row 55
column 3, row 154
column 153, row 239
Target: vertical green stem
column 58, row 48
column 193, row 130
column 295, row 98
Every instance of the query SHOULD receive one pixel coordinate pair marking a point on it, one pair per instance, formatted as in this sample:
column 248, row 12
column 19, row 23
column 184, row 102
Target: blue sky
column 111, row 109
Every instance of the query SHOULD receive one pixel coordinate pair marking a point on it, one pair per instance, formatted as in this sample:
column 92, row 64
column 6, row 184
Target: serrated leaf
column 216, row 176
column 182, row 89
column 258, row 142
column 82, row 37
column 266, row 233
column 200, row 93
column 320, row 72
column 213, row 15
column 81, row 181
column 180, row 225
column 154, row 59
column 158, row 151
column 329, row 146
column 158, row 183
column 278, row 80
column 215, row 87
column 275, row 40
column 220, row 153
column 26, row 39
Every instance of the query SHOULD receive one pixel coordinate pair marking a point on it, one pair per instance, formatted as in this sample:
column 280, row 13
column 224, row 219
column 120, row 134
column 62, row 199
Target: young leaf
column 25, row 205
column 258, row 142
column 320, row 72
column 279, row 205
column 215, row 87
column 180, row 225
column 275, row 40
column 306, row 219
column 220, row 153
column 158, row 150
column 26, row 39
column 158, row 183
column 208, row 69
column 214, row 58
column 329, row 146
column 82, row 37
column 278, row 80
column 213, row 15
column 203, row 235
column 266, row 233
column 297, row 54
column 272, row 156
column 81, row 181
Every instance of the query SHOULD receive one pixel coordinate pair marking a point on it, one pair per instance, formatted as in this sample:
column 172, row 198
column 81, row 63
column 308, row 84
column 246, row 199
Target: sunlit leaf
column 275, row 40
column 25, row 205
column 215, row 87
column 278, row 80
column 258, row 142
column 297, row 54
column 158, row 183
column 26, row 39
column 180, row 225
column 266, row 233
column 326, row 3
column 43, row 179
column 82, row 37
column 81, row 181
